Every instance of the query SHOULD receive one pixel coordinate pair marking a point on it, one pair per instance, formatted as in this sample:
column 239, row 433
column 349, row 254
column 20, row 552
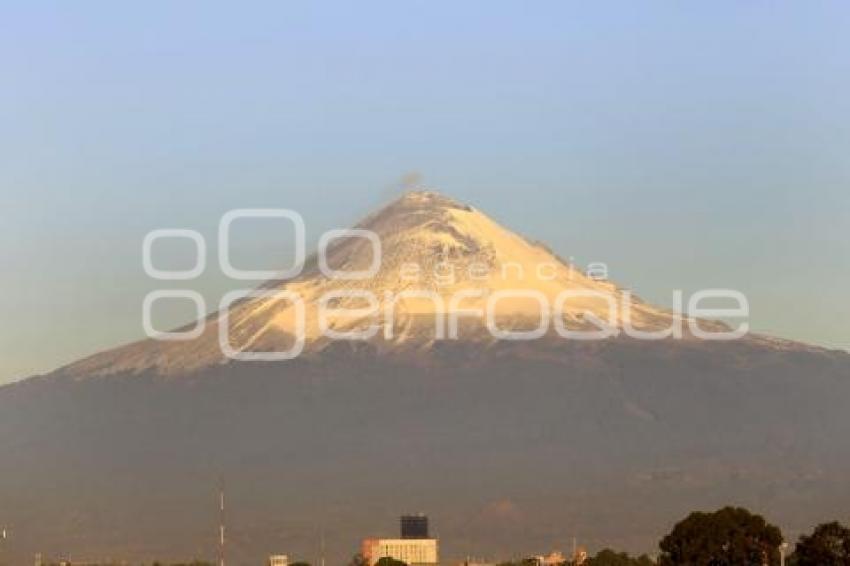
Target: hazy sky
column 685, row 144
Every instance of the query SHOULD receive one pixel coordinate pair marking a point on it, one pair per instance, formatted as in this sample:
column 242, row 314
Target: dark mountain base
column 508, row 450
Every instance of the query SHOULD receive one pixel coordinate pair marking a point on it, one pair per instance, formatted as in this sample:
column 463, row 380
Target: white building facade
column 409, row 551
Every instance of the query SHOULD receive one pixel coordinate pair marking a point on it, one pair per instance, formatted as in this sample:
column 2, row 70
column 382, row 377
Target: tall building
column 278, row 560
column 410, row 551
column 413, row 548
column 414, row 526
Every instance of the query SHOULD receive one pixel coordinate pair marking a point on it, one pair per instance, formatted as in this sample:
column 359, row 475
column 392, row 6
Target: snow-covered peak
column 437, row 257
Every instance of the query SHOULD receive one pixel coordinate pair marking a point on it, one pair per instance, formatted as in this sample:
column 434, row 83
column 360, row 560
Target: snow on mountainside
column 436, row 255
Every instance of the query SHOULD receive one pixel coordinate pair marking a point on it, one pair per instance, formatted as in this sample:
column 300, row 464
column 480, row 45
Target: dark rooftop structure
column 414, row 526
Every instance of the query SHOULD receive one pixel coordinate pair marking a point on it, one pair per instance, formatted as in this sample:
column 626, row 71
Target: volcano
column 403, row 398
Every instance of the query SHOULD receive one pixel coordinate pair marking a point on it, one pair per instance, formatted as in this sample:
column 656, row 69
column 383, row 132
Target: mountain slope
column 436, row 255
column 510, row 446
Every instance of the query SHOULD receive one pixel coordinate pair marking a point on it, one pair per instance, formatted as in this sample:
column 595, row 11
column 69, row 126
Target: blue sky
column 686, row 144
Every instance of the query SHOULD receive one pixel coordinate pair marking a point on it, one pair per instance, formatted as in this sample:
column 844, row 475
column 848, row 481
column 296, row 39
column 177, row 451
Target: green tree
column 389, row 561
column 731, row 536
column 300, row 564
column 828, row 545
column 608, row 557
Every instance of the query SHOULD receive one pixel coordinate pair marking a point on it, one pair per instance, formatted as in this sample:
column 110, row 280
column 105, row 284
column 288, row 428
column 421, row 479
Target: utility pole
column 221, row 524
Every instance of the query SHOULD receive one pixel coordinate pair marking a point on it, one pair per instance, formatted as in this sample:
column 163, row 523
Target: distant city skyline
column 686, row 146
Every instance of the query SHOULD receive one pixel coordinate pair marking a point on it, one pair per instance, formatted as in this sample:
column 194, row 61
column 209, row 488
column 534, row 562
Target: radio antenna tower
column 221, row 523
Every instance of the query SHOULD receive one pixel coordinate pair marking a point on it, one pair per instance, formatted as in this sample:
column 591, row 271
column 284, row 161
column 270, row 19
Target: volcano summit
column 431, row 269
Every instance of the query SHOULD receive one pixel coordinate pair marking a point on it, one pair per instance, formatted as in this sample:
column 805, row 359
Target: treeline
column 731, row 536
column 734, row 536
